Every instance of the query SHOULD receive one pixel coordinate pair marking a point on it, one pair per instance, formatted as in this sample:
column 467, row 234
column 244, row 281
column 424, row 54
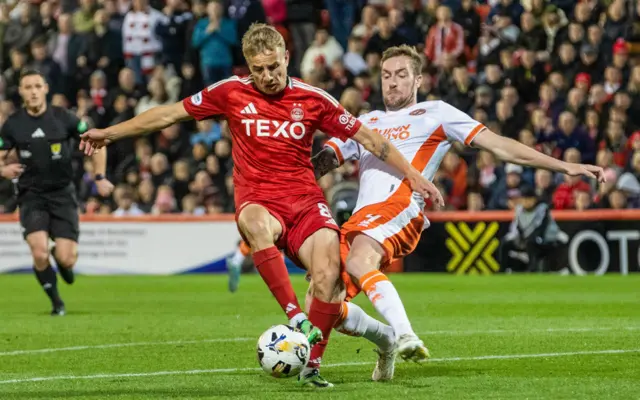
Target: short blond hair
column 260, row 38
column 407, row 51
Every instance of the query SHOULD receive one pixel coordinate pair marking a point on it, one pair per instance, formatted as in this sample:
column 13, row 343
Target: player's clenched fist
column 93, row 140
column 426, row 188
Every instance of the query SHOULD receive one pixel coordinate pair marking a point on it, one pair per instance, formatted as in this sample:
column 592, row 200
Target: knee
column 327, row 283
column 258, row 234
column 66, row 259
column 359, row 263
column 40, row 256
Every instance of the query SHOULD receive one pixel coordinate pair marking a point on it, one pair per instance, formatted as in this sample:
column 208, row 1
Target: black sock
column 49, row 282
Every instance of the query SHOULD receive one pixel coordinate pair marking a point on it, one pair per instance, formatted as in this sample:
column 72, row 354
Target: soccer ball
column 283, row 351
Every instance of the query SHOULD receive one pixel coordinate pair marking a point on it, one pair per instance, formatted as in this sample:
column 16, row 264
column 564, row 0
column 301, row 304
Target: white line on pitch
column 233, row 370
column 245, row 339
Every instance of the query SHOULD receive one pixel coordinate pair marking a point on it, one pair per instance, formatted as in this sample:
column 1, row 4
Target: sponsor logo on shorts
column 196, row 99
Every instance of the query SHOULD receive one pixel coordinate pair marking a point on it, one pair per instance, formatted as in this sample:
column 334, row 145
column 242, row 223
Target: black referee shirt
column 45, row 146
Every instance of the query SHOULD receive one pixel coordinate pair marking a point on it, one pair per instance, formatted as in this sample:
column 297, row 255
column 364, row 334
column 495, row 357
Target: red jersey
column 272, row 134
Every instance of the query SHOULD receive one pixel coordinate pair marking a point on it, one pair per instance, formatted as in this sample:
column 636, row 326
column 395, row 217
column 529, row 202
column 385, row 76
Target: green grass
column 458, row 317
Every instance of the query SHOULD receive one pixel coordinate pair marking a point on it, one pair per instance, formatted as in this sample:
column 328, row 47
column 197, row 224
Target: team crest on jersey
column 196, row 99
column 373, row 120
column 418, row 111
column 297, row 114
column 55, row 151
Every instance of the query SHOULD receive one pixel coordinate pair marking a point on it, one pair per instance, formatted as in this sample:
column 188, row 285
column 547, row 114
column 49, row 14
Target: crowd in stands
column 561, row 76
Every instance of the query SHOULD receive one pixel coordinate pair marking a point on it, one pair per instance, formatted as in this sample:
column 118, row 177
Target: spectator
column 83, row 18
column 67, row 49
column 342, row 17
column 43, row 62
column 165, row 202
column 324, row 50
column 384, row 38
column 353, row 58
column 20, row 32
column 146, row 195
column 172, row 30
column 564, row 196
column 408, row 32
column 104, row 46
column 511, row 180
column 615, row 25
column 544, row 185
column 533, row 36
column 214, row 38
column 462, row 94
column 141, row 45
column 367, row 26
column 444, row 38
column 157, row 96
column 124, row 198
column 467, row 17
column 495, row 38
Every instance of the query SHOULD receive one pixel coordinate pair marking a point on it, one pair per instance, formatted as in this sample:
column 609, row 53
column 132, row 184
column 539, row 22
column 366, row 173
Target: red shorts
column 300, row 217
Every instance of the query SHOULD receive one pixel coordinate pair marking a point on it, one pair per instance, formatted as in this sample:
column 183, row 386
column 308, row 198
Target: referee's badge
column 55, row 151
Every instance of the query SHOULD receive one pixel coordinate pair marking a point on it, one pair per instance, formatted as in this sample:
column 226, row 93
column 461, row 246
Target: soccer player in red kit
column 272, row 119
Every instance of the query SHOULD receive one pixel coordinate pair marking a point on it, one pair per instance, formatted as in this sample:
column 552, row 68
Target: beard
column 399, row 102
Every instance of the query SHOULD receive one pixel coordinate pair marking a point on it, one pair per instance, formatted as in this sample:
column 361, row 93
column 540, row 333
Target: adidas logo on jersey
column 38, row 133
column 249, row 109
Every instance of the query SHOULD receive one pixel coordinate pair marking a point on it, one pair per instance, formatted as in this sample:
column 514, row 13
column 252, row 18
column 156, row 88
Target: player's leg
column 354, row 321
column 320, row 255
column 65, row 229
column 35, row 225
column 65, row 253
column 39, row 245
column 234, row 264
column 365, row 257
column 262, row 230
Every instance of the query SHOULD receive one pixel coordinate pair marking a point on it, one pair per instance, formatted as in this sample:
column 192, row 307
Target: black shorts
column 55, row 212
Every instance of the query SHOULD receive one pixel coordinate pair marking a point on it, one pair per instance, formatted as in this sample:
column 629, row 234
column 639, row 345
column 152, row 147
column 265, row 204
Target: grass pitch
column 506, row 337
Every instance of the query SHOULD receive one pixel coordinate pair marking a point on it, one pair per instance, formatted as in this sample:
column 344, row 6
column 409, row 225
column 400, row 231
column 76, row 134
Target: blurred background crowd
column 562, row 76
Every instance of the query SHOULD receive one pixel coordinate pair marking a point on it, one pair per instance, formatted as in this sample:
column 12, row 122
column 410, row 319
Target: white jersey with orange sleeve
column 423, row 133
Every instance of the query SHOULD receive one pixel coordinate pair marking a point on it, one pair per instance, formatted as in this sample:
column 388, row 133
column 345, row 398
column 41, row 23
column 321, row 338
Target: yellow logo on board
column 472, row 249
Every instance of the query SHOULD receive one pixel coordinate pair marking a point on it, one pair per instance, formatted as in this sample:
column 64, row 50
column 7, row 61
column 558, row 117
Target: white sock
column 299, row 317
column 238, row 258
column 386, row 301
column 359, row 323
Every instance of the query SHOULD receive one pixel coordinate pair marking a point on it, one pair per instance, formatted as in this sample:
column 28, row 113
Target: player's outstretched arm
column 379, row 146
column 152, row 120
column 325, row 162
column 514, row 152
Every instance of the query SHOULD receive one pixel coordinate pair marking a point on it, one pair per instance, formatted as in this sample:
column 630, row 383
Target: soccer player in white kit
column 388, row 218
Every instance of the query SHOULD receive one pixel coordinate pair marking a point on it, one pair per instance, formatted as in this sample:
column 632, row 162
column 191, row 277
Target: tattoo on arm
column 324, row 162
column 384, row 151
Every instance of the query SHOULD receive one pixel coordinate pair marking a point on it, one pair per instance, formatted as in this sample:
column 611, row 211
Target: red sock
column 273, row 271
column 324, row 316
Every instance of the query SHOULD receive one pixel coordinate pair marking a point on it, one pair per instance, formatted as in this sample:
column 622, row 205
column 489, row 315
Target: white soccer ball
column 283, row 351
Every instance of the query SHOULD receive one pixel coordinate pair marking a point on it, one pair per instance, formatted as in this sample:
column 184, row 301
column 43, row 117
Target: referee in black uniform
column 44, row 138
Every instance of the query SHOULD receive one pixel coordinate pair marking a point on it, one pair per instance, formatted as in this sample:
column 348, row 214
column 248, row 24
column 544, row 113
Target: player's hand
column 104, row 187
column 12, row 171
column 92, row 140
column 590, row 171
column 426, row 188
